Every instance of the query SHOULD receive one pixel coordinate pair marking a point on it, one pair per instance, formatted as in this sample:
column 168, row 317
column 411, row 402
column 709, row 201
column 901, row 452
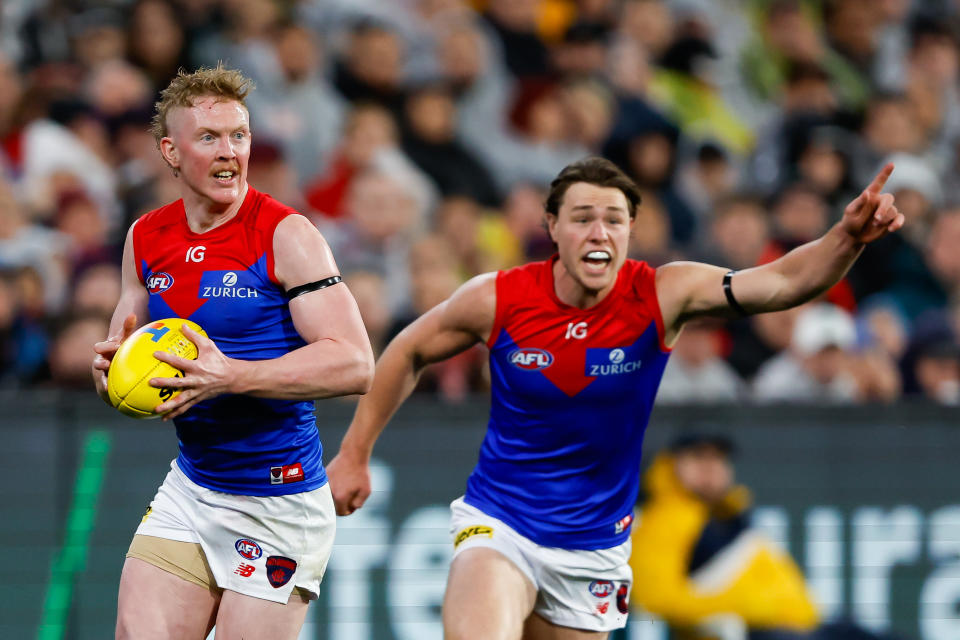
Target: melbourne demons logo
column 248, row 549
column 530, row 359
column 159, row 282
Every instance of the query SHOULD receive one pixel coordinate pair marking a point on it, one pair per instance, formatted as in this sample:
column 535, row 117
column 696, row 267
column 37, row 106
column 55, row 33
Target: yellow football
column 132, row 367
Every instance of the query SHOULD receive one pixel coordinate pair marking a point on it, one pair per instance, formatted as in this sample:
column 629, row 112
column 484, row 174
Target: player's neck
column 204, row 215
column 571, row 292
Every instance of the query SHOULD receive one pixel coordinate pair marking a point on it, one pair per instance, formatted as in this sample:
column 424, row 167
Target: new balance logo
column 245, row 570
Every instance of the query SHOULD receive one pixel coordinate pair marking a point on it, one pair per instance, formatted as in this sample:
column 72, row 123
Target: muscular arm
column 687, row 290
column 337, row 359
column 131, row 306
column 451, row 327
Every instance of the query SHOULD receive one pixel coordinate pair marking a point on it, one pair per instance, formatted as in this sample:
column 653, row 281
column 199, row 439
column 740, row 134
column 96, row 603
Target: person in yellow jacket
column 699, row 565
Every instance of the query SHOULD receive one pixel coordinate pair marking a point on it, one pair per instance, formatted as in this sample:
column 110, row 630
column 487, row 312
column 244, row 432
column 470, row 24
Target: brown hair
column 185, row 88
column 592, row 170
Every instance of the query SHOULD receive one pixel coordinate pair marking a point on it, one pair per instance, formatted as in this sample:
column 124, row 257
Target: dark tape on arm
column 313, row 286
column 728, row 291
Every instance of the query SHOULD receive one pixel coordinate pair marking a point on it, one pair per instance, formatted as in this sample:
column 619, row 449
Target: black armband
column 313, row 286
column 728, row 291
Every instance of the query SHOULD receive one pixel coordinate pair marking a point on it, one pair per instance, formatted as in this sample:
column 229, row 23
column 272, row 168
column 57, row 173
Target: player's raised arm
column 337, row 359
column 451, row 327
column 687, row 290
column 131, row 307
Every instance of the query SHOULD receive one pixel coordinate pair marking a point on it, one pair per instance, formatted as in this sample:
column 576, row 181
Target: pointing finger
column 880, row 180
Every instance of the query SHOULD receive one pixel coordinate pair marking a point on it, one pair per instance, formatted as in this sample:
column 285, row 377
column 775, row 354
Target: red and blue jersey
column 572, row 391
column 224, row 281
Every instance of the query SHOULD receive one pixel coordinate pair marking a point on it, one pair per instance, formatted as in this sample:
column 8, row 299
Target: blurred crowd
column 419, row 136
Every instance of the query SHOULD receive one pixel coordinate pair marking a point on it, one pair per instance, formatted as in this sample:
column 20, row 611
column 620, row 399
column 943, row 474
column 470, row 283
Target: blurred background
column 420, row 137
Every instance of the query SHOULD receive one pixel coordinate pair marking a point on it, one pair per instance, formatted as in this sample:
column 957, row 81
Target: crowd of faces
column 420, row 136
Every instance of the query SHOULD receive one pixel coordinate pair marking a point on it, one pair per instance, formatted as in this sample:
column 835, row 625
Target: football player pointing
column 239, row 533
column 577, row 344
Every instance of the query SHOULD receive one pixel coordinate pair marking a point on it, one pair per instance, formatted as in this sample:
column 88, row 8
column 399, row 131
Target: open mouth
column 598, row 259
column 224, row 176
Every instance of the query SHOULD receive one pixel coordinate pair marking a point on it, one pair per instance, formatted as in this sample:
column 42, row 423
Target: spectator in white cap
column 816, row 366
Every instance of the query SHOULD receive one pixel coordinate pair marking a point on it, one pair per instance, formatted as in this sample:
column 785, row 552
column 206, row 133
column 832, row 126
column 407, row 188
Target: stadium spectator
column 371, row 67
column 156, row 42
column 808, row 99
column 694, row 517
column 479, row 238
column 297, row 106
column 739, row 231
column 370, row 138
column 822, row 365
column 697, row 372
column 430, row 141
column 95, row 290
column 70, row 349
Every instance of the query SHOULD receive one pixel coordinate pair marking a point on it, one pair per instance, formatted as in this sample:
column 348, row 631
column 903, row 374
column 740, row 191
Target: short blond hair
column 186, row 88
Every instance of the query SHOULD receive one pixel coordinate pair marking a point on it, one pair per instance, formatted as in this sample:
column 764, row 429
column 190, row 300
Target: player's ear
column 170, row 152
column 550, row 224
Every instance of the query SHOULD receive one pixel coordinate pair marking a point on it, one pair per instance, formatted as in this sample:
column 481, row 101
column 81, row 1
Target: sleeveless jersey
column 223, row 280
column 572, row 391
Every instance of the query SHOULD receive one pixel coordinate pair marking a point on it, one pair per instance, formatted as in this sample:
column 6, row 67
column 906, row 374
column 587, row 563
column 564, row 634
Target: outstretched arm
column 687, row 289
column 337, row 359
column 451, row 327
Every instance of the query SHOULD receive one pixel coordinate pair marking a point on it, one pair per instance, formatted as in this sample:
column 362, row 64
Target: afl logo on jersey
column 159, row 282
column 248, row 549
column 530, row 358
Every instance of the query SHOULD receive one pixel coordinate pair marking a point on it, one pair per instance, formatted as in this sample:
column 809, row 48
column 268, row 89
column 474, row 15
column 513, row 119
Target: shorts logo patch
column 245, row 570
column 475, row 530
column 601, row 588
column 146, row 514
column 286, row 474
column 280, row 570
column 602, row 607
column 623, row 605
column 248, row 548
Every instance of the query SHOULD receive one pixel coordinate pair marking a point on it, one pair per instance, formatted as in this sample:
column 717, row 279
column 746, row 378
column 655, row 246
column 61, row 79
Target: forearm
column 323, row 369
column 394, row 380
column 800, row 275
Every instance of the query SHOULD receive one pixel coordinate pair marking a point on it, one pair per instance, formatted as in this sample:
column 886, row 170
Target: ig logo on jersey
column 530, row 358
column 159, row 282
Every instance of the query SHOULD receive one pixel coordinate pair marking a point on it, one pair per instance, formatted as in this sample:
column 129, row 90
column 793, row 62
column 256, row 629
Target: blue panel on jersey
column 223, row 442
column 562, row 470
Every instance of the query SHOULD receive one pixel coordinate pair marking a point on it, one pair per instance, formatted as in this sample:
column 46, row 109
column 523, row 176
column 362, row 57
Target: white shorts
column 575, row 588
column 260, row 546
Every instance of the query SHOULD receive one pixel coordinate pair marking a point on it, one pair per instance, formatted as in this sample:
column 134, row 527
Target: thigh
column 154, row 604
column 537, row 628
column 487, row 597
column 252, row 618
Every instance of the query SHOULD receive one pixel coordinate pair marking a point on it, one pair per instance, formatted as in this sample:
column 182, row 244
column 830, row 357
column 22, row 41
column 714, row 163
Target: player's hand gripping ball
column 132, row 367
